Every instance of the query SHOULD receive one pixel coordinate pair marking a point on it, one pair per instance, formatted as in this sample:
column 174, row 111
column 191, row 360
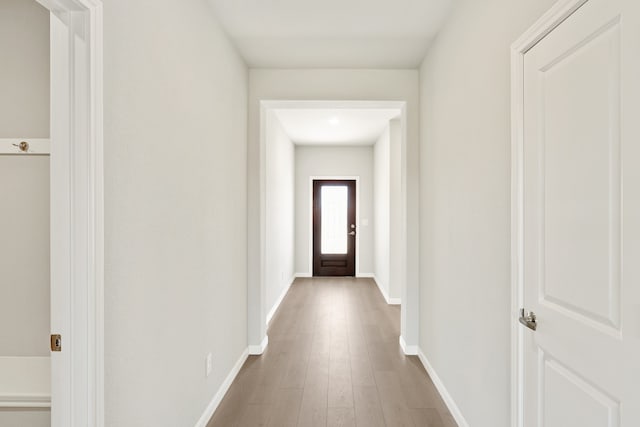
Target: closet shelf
column 37, row 146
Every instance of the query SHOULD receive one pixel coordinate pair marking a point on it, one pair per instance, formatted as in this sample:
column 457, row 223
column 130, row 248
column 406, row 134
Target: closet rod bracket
column 23, row 146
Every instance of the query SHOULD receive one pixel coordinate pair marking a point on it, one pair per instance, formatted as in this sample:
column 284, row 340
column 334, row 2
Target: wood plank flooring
column 333, row 360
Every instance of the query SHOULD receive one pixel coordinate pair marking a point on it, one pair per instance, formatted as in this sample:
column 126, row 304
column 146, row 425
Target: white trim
column 31, row 401
column 25, row 382
column 303, row 275
column 257, row 350
column 355, row 178
column 385, row 295
column 324, row 104
column 550, row 20
column 77, row 212
column 409, row 350
column 36, row 146
column 444, row 393
column 224, row 388
column 257, row 232
column 366, row 275
column 559, row 12
column 279, row 300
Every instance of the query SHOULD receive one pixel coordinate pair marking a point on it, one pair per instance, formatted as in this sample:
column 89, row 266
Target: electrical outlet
column 209, row 364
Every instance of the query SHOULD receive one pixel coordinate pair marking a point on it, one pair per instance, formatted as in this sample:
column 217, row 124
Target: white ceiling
column 332, row 33
column 335, row 126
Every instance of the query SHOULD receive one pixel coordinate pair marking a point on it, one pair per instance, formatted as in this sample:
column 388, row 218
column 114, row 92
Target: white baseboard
column 366, row 275
column 390, row 301
column 256, row 350
column 279, row 300
column 217, row 398
column 303, row 275
column 448, row 399
column 409, row 350
column 382, row 291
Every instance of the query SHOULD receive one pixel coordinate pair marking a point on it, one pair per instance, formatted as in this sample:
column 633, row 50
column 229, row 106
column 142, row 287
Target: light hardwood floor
column 333, row 360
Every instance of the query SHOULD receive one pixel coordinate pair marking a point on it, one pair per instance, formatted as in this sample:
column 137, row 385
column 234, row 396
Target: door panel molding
column 556, row 377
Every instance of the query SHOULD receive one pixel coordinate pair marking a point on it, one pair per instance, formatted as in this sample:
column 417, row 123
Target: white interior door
column 581, row 225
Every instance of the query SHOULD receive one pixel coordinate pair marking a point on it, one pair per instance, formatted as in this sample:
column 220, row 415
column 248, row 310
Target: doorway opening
column 334, row 228
column 303, row 140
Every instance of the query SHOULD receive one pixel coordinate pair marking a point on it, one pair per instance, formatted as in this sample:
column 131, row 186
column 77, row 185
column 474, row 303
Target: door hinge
column 56, row 342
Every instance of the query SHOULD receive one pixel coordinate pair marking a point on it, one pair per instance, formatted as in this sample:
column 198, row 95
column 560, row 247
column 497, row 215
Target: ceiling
column 335, row 126
column 332, row 33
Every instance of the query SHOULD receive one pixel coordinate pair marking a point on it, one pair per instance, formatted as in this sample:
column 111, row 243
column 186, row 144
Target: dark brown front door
column 334, row 228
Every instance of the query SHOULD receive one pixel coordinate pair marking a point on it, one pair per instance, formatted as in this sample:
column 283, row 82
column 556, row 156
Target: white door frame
column 77, row 212
column 550, row 20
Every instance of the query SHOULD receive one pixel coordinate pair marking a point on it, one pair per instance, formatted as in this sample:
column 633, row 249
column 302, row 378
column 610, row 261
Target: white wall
column 334, row 161
column 175, row 210
column 387, row 196
column 465, row 204
column 24, row 180
column 280, row 188
column 382, row 210
column 334, row 84
column 25, row 417
column 24, row 255
column 24, row 187
column 24, row 74
column 396, row 258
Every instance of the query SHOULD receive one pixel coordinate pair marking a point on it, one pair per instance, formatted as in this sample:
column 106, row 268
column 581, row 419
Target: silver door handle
column 528, row 320
column 352, row 233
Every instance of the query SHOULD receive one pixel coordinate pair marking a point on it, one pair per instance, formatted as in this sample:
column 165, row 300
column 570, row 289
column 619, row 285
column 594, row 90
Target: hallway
column 333, row 360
